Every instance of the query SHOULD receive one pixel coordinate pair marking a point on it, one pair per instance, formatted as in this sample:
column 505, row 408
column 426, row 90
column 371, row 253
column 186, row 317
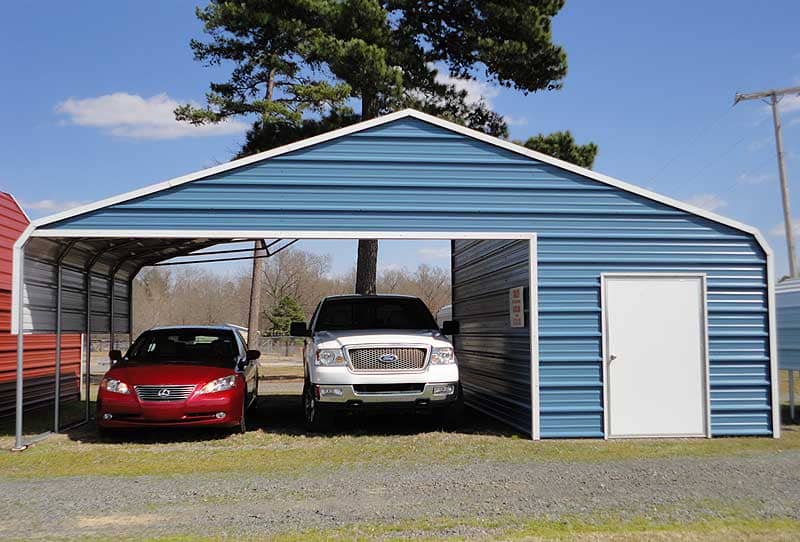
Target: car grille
column 164, row 393
column 405, row 358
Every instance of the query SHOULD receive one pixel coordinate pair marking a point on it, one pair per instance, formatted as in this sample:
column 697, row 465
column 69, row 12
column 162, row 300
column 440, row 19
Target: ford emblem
column 387, row 358
column 163, row 392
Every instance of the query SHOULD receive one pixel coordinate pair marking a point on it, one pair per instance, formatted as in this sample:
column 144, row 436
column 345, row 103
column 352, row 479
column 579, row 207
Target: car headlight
column 115, row 386
column 443, row 356
column 221, row 384
column 329, row 357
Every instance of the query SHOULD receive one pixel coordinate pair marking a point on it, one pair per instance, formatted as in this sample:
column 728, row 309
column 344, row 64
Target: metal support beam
column 18, row 445
column 57, row 403
column 111, row 312
column 88, row 374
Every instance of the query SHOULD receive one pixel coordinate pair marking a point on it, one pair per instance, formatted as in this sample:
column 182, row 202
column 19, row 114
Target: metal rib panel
column 412, row 176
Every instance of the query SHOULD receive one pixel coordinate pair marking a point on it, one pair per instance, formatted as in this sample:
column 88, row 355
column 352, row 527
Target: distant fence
column 281, row 347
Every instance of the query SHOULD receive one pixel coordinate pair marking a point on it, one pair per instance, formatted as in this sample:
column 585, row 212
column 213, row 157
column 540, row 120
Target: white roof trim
column 20, row 207
column 365, row 125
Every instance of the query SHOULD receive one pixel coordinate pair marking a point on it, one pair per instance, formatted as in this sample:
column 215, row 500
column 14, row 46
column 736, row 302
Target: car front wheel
column 242, row 427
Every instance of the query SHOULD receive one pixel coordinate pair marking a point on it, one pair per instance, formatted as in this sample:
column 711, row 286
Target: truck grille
column 167, row 392
column 387, row 359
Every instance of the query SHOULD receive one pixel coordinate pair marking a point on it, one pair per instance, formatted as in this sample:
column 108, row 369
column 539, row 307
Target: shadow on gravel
column 282, row 415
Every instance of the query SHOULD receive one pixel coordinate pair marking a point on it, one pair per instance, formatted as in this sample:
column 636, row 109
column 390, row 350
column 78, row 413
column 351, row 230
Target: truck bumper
column 350, row 395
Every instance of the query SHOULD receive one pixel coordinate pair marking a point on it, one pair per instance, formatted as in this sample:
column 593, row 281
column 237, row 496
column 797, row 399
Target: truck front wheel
column 315, row 415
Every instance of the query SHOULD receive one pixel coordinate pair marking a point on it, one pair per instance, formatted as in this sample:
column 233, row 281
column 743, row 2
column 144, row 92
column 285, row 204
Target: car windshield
column 202, row 347
column 374, row 313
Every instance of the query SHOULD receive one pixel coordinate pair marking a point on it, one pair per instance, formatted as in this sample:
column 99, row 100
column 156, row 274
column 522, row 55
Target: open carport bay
column 277, row 482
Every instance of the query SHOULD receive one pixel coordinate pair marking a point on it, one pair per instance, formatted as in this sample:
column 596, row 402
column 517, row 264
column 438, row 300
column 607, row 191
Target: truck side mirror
column 253, row 355
column 298, row 329
column 451, row 327
column 115, row 355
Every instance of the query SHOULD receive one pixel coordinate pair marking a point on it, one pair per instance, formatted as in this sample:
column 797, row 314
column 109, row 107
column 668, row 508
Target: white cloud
column 516, row 121
column 477, row 91
column 753, row 178
column 49, row 206
column 709, row 202
column 789, row 104
column 759, row 144
column 130, row 115
column 433, row 253
column 779, row 230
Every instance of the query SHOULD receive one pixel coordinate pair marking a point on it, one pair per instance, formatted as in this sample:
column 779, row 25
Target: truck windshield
column 196, row 346
column 374, row 313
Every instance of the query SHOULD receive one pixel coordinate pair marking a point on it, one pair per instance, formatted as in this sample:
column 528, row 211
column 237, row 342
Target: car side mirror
column 298, row 329
column 115, row 355
column 451, row 327
column 253, row 355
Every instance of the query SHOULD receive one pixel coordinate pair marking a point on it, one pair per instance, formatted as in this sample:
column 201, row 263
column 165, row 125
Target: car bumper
column 348, row 395
column 210, row 410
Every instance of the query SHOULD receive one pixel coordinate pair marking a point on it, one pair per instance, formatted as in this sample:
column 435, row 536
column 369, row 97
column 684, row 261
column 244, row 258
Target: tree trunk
column 254, row 317
column 254, row 320
column 367, row 266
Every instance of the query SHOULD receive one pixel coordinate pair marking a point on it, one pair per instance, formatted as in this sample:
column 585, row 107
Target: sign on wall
column 516, row 306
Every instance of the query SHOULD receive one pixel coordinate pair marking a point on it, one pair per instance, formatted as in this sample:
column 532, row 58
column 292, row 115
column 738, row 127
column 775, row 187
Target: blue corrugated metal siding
column 494, row 359
column 787, row 302
column 408, row 175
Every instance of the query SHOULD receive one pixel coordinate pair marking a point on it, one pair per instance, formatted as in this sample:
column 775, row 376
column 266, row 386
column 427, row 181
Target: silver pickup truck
column 377, row 351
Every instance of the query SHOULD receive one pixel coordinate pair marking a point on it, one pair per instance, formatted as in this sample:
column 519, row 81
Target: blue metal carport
column 515, row 218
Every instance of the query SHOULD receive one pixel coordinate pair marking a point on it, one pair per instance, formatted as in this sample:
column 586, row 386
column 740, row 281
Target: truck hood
column 339, row 339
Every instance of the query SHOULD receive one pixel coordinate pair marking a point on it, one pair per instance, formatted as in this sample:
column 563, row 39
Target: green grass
column 288, row 454
column 721, row 526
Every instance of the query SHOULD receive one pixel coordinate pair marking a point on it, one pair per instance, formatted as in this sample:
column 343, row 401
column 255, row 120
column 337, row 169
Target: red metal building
column 40, row 352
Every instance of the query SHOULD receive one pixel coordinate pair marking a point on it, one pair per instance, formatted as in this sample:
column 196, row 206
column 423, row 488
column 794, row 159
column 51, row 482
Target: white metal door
column 655, row 350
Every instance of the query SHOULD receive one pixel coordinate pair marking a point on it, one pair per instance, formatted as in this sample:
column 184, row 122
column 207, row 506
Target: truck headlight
column 221, row 384
column 329, row 357
column 115, row 386
column 443, row 356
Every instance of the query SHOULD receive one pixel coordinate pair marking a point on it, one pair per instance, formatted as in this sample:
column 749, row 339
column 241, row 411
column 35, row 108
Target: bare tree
column 198, row 295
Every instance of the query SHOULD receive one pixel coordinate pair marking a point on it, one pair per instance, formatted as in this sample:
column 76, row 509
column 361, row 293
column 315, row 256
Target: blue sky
column 88, row 87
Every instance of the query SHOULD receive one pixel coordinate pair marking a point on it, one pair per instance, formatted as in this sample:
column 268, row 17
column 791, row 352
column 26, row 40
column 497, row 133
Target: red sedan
column 180, row 376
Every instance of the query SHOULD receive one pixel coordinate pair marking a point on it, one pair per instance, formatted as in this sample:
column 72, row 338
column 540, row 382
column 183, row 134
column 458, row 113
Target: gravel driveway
column 674, row 489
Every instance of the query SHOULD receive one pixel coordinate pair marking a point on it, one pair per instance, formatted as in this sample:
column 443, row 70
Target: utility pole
column 772, row 97
column 254, row 320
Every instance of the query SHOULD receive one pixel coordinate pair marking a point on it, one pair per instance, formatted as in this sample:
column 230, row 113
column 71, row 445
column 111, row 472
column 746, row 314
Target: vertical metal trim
column 111, row 312
column 604, row 355
column 130, row 307
column 57, row 404
column 706, row 354
column 19, row 257
column 88, row 373
column 533, row 318
column 773, row 349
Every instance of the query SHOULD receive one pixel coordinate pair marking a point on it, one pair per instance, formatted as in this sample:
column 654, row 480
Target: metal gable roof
column 40, row 227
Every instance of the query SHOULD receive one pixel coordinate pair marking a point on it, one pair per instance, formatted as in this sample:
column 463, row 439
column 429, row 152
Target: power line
column 703, row 131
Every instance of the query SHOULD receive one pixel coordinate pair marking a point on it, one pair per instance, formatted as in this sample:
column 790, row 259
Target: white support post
column 88, row 372
column 20, row 255
column 57, row 404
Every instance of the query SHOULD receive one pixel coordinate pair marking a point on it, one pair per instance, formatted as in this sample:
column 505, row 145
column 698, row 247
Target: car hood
column 161, row 373
column 338, row 339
